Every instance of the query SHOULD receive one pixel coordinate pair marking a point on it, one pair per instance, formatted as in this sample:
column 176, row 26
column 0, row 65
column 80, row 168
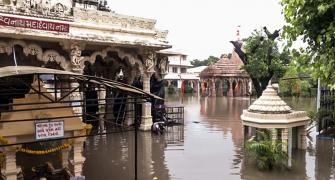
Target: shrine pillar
column 77, row 67
column 230, row 92
column 220, row 88
column 146, row 119
column 213, row 88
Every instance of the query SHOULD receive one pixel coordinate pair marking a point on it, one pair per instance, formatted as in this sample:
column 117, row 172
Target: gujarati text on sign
column 34, row 24
column 47, row 130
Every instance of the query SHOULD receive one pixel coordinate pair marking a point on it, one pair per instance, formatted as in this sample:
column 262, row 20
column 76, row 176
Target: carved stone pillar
column 284, row 139
column 146, row 119
column 10, row 170
column 302, row 132
column 230, row 92
column 202, row 88
column 77, row 67
column 213, row 88
column 77, row 161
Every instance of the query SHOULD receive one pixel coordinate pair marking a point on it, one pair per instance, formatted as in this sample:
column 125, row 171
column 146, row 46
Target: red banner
column 33, row 24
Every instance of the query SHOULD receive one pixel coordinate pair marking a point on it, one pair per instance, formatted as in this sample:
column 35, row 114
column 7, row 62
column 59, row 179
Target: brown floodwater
column 208, row 146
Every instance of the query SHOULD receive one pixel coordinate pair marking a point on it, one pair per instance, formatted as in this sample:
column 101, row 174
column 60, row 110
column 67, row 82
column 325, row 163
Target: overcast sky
column 201, row 28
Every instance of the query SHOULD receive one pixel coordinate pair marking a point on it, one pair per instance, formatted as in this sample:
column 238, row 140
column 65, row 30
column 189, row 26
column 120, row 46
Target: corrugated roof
column 31, row 70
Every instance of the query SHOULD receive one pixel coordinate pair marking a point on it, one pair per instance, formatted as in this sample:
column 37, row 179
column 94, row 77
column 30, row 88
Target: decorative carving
column 76, row 58
column 108, row 18
column 164, row 65
column 5, row 48
column 149, row 61
column 161, row 34
column 52, row 55
column 55, row 9
column 33, row 49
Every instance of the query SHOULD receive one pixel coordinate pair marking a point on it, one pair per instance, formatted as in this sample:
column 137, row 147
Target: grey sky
column 201, row 28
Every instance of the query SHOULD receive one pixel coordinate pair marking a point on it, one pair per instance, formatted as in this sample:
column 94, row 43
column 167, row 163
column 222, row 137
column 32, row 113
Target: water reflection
column 208, row 146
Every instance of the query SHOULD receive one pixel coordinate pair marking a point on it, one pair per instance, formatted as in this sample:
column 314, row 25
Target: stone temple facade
column 83, row 37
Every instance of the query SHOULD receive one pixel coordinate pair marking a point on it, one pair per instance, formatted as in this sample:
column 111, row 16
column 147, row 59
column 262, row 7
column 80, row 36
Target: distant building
column 225, row 78
column 178, row 76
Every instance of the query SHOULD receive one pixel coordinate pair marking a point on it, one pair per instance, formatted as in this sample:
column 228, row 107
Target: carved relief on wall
column 149, row 58
column 33, row 49
column 44, row 8
column 113, row 19
column 164, row 65
column 54, row 56
column 76, row 58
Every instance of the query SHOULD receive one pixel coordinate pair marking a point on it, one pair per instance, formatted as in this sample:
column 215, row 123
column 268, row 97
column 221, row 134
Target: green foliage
column 189, row 89
column 206, row 62
column 314, row 22
column 265, row 60
column 171, row 90
column 267, row 153
column 291, row 84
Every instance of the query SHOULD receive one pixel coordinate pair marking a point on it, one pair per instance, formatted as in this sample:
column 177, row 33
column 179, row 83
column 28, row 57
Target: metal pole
column 318, row 96
column 136, row 126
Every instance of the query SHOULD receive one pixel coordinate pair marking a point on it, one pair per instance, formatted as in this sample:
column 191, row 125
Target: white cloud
column 201, row 28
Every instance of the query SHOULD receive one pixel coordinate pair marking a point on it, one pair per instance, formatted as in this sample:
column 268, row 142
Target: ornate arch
column 5, row 48
column 52, row 55
column 34, row 49
column 17, row 42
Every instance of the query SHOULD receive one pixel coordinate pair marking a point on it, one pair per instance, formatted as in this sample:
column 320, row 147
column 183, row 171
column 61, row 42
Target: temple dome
column 270, row 111
column 270, row 102
column 225, row 67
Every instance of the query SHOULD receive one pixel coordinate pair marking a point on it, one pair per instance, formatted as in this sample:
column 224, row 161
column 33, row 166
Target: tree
column 206, row 62
column 314, row 23
column 262, row 58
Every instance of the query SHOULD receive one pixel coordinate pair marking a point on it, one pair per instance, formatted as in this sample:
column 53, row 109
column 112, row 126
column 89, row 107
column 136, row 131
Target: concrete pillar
column 77, row 161
column 287, row 144
column 213, row 88
column 202, row 88
column 65, row 156
column 146, row 119
column 274, row 135
column 9, row 170
column 284, row 139
column 302, row 132
column 230, row 92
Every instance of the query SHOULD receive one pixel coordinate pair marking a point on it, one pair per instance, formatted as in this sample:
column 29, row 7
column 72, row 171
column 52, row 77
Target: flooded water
column 208, row 146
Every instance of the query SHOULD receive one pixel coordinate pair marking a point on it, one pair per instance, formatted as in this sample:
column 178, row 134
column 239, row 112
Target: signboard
column 49, row 130
column 34, row 24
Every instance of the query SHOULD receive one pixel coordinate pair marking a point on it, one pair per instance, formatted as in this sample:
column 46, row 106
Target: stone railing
column 114, row 19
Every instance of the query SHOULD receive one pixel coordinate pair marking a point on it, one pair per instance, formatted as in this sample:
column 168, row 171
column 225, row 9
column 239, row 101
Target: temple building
column 82, row 36
column 79, row 37
column 225, row 78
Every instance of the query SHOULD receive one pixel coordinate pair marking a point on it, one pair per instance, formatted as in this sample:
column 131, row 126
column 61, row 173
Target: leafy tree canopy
column 206, row 62
column 262, row 58
column 314, row 22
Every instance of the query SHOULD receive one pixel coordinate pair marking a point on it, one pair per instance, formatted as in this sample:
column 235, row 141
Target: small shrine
column 19, row 127
column 270, row 112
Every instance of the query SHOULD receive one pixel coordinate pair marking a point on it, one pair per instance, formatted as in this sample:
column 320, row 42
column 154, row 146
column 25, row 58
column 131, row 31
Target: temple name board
column 34, row 24
column 49, row 130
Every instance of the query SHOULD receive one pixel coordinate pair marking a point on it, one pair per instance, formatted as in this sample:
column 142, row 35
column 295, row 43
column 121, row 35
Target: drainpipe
column 318, row 96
